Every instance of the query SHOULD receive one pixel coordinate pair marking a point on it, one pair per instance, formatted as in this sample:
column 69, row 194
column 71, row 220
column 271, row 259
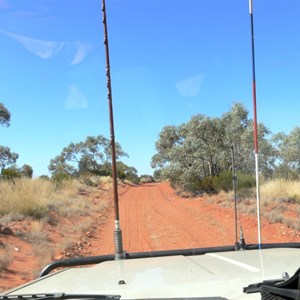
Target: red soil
column 152, row 217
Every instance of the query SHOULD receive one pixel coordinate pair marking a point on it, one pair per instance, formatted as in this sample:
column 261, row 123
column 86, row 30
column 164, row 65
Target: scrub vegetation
column 197, row 156
column 280, row 201
column 41, row 211
column 36, row 198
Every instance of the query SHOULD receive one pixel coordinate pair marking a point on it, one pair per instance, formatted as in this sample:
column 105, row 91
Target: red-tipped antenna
column 255, row 126
column 117, row 231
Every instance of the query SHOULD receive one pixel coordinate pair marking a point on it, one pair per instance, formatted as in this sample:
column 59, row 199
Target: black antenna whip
column 117, row 231
column 255, row 125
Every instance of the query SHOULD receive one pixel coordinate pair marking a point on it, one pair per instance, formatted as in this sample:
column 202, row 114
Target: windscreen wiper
column 59, row 296
column 256, row 287
column 277, row 289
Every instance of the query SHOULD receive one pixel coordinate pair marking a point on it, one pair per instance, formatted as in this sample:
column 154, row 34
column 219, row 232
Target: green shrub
column 59, row 178
column 10, row 174
column 26, row 171
column 147, row 179
column 207, row 184
column 121, row 174
column 157, row 175
column 223, row 181
column 245, row 181
column 135, row 179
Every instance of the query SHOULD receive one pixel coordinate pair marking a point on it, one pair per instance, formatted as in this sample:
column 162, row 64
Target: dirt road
column 153, row 217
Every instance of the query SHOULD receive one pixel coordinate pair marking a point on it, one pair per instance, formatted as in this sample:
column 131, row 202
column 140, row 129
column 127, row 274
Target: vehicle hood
column 210, row 275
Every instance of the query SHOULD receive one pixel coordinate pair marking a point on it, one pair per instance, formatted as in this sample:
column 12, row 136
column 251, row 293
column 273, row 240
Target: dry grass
column 42, row 249
column 25, row 196
column 280, row 190
column 5, row 257
column 72, row 207
column 83, row 226
column 278, row 198
column 37, row 235
column 105, row 182
column 34, row 197
column 44, row 204
column 66, row 244
column 44, row 253
column 10, row 217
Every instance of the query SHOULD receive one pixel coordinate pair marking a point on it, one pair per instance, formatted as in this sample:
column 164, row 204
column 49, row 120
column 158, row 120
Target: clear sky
column 170, row 60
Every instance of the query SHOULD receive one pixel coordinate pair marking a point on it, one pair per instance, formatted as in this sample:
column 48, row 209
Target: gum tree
column 91, row 155
column 201, row 148
column 4, row 116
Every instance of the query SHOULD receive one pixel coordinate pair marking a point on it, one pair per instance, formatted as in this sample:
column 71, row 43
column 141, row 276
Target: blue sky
column 170, row 60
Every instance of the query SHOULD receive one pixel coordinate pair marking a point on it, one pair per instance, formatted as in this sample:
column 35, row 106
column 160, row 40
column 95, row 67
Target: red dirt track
column 153, row 217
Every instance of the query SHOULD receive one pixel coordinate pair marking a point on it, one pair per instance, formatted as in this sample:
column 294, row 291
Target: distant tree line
column 196, row 154
column 92, row 156
column 8, row 159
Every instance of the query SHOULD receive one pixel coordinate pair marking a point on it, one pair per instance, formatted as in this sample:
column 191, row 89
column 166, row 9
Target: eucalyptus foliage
column 202, row 147
column 92, row 155
column 288, row 147
column 4, row 116
column 7, row 158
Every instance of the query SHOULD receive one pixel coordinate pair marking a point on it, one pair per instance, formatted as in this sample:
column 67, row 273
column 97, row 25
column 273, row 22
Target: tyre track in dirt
column 132, row 216
column 175, row 225
column 153, row 217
